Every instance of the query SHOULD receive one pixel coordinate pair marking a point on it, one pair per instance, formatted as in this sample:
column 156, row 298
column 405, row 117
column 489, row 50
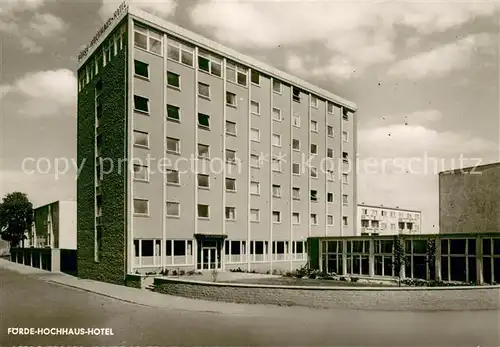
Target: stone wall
column 363, row 298
column 469, row 200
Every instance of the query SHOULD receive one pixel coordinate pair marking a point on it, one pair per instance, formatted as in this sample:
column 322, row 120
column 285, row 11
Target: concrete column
column 438, row 259
column 55, row 258
column 320, row 253
column 344, row 256
column 371, row 258
column 479, row 259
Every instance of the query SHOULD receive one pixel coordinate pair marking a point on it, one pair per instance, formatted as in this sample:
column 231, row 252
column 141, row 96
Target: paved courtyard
column 29, row 299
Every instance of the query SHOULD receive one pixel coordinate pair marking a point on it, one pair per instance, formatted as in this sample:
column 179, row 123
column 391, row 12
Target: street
column 29, row 301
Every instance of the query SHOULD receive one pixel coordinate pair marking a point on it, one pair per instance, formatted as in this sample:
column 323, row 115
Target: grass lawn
column 291, row 281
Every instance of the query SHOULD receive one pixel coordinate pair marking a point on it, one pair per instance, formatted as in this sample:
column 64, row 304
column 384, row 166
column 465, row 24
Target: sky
column 424, row 75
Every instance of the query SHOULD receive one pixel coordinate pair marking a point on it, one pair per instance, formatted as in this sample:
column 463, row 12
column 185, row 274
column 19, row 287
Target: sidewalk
column 143, row 297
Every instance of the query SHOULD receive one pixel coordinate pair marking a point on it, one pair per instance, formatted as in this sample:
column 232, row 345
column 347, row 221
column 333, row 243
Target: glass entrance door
column 209, row 259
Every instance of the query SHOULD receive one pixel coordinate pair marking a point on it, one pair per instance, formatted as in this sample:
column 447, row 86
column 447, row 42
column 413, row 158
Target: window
column 330, row 175
column 345, row 136
column 314, row 148
column 230, row 156
column 345, row 199
column 254, row 188
column 344, row 220
column 231, row 99
column 296, row 168
column 236, row 73
column 276, row 165
column 296, row 144
column 296, row 94
column 276, row 191
column 329, row 130
column 230, row 213
column 173, row 145
column 345, row 114
column 296, row 193
column 173, row 177
column 329, row 220
column 276, row 217
column 345, row 156
column 255, row 135
column 255, row 76
column 329, row 152
column 296, row 120
column 141, row 139
column 141, row 69
column 141, row 173
column 276, row 114
column 209, row 63
column 203, row 151
column 295, row 218
column 330, row 107
column 173, row 209
column 203, row 120
column 314, row 219
column 277, row 140
column 255, row 107
column 254, row 161
column 148, row 39
column 276, row 86
column 345, row 178
column 173, row 113
column 203, row 181
column 230, row 128
column 141, row 207
column 203, row 211
column 173, row 79
column 141, row 104
column 314, row 101
column 314, row 172
column 180, row 52
column 203, row 90
column 329, row 197
column 314, row 195
column 230, row 184
column 254, row 215
column 314, row 126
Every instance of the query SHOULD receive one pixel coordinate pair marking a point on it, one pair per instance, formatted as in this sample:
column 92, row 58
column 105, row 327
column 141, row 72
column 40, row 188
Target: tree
column 16, row 217
column 399, row 257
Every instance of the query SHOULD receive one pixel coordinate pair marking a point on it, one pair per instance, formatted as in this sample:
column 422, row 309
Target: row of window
column 141, row 208
column 375, row 224
column 152, row 41
column 102, row 57
column 384, row 213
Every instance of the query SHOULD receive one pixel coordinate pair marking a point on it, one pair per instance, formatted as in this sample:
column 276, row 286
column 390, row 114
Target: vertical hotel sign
column 123, row 7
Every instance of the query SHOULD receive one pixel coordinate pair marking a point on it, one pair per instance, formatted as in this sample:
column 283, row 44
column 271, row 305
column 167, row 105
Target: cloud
column 162, row 8
column 424, row 117
column 47, row 25
column 357, row 34
column 442, row 60
column 45, row 93
column 17, row 22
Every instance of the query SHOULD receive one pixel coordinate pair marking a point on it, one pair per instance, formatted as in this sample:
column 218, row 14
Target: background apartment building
column 232, row 189
column 469, row 200
column 382, row 220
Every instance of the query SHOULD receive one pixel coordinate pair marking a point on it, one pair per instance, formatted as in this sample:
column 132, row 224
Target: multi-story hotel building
column 382, row 220
column 194, row 156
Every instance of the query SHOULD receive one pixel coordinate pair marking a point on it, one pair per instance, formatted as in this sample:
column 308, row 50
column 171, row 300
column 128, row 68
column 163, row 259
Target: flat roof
column 389, row 208
column 470, row 168
column 217, row 48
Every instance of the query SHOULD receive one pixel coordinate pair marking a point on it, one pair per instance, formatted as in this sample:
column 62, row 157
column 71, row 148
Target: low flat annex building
column 383, row 220
column 199, row 157
column 469, row 200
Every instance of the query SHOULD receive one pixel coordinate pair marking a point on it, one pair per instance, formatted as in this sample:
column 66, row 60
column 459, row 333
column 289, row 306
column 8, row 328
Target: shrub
column 190, row 272
column 174, row 272
column 275, row 272
column 182, row 273
column 354, row 279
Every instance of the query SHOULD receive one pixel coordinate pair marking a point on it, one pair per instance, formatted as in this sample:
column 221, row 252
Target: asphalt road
column 29, row 301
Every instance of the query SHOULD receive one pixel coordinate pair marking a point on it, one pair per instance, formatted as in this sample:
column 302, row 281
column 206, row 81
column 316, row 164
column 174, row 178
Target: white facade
column 381, row 220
